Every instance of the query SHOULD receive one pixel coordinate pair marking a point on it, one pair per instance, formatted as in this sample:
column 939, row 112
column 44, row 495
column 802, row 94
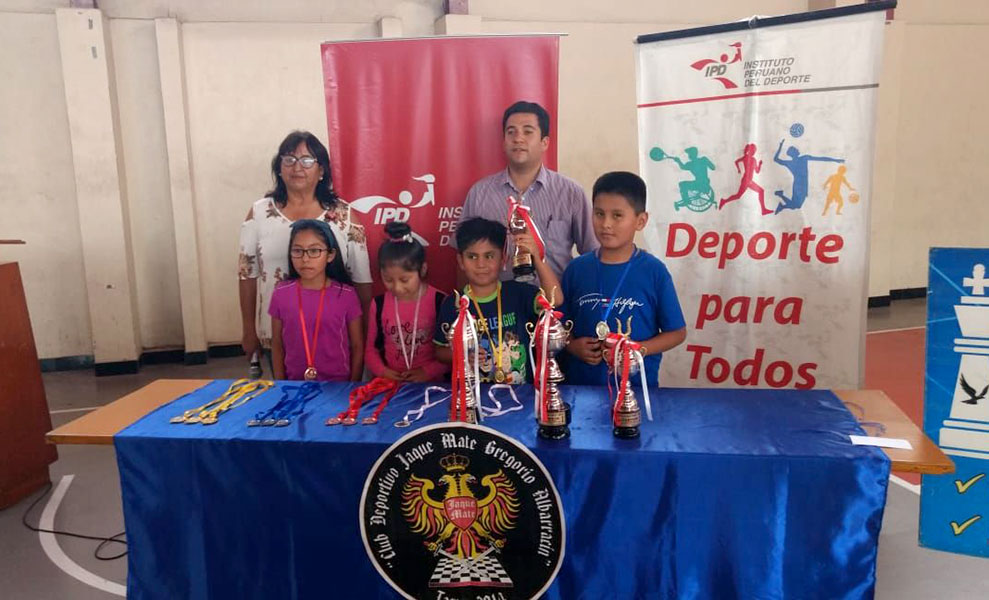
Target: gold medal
column 310, row 374
column 602, row 330
column 499, row 376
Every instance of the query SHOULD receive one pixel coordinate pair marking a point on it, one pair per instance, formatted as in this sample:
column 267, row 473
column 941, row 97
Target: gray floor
column 92, row 504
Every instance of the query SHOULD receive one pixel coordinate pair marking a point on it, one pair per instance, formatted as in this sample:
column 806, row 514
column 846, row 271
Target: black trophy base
column 558, row 431
column 554, row 432
column 524, row 273
column 626, row 433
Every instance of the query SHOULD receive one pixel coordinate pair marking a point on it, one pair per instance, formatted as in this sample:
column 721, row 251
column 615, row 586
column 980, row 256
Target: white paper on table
column 882, row 442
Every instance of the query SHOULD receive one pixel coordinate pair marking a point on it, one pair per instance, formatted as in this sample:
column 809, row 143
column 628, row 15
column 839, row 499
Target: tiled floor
column 92, row 502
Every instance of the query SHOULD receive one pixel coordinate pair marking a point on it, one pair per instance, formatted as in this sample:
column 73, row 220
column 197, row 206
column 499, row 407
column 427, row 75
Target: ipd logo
column 715, row 68
column 386, row 210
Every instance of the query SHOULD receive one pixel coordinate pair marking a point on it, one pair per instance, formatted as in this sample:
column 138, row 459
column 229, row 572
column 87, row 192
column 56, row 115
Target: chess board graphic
column 483, row 571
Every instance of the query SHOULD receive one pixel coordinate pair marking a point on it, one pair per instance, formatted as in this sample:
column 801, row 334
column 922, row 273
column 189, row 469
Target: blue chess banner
column 954, row 509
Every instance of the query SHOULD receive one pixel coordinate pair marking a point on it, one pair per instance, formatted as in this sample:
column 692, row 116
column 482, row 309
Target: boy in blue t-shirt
column 617, row 281
column 501, row 308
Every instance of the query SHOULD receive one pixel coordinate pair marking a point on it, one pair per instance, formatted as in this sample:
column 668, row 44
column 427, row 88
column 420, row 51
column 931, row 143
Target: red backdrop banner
column 413, row 123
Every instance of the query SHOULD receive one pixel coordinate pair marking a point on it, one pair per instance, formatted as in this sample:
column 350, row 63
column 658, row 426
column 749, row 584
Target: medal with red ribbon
column 363, row 394
column 310, row 374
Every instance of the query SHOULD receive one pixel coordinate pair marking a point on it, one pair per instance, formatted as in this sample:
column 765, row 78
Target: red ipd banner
column 413, row 123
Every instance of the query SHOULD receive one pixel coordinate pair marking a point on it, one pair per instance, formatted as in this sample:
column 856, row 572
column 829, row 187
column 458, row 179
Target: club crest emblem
column 457, row 511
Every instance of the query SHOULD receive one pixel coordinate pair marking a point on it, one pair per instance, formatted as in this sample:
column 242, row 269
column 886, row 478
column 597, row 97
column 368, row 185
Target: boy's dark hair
column 401, row 248
column 628, row 185
column 478, row 229
column 334, row 269
column 529, row 108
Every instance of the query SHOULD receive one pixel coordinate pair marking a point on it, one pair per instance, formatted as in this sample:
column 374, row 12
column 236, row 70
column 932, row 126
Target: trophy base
column 524, row 273
column 626, row 433
column 554, row 432
column 557, row 424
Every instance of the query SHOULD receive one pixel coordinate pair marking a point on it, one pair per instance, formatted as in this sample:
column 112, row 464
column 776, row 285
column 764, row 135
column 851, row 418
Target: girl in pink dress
column 402, row 320
column 315, row 313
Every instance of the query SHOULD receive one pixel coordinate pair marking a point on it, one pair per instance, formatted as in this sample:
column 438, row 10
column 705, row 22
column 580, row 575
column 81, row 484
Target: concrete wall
column 37, row 185
column 249, row 71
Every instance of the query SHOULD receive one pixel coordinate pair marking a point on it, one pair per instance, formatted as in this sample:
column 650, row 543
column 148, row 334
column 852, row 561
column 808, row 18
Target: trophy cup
column 549, row 337
column 464, row 387
column 522, row 265
column 623, row 359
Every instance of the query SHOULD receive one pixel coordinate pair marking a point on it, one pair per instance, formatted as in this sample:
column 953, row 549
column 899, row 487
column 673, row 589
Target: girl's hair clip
column 404, row 238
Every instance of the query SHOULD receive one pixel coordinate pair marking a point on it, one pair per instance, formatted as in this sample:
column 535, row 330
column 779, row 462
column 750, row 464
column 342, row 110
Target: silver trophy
column 551, row 333
column 471, row 348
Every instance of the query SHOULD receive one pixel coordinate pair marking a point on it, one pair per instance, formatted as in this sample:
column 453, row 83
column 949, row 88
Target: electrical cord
column 103, row 541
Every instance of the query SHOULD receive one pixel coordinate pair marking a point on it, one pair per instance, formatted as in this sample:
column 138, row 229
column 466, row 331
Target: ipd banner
column 954, row 509
column 413, row 123
column 756, row 142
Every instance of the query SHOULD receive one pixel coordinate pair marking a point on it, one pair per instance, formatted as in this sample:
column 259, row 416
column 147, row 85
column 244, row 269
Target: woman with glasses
column 303, row 190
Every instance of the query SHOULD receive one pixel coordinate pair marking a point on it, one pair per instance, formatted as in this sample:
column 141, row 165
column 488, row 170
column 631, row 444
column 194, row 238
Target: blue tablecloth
column 727, row 494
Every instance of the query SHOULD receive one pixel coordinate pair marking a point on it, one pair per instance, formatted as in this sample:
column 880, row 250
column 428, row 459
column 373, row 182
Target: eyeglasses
column 310, row 252
column 307, row 162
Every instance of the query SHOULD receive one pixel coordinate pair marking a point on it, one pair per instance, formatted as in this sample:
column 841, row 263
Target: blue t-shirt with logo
column 647, row 295
column 518, row 307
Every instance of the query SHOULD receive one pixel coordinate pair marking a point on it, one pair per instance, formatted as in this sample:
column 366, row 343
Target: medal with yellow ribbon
column 238, row 393
column 496, row 351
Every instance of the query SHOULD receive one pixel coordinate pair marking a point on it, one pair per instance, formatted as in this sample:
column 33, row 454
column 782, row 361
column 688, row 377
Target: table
column 729, row 493
column 99, row 426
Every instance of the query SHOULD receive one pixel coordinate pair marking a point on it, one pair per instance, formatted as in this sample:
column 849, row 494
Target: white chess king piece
column 966, row 431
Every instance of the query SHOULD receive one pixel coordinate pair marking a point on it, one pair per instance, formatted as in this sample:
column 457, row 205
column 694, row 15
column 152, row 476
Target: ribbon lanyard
column 359, row 395
column 415, row 414
column 483, row 326
column 238, row 393
column 497, row 411
column 290, row 405
column 621, row 280
column 310, row 351
column 409, row 357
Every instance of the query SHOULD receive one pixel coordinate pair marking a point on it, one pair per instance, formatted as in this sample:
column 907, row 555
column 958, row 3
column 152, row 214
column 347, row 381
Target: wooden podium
column 24, row 417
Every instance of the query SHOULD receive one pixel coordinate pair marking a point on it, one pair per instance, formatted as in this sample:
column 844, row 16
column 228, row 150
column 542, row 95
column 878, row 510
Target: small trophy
column 462, row 335
column 623, row 359
column 548, row 337
column 523, row 267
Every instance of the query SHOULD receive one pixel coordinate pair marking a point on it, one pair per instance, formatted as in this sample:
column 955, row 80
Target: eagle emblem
column 463, row 526
column 973, row 396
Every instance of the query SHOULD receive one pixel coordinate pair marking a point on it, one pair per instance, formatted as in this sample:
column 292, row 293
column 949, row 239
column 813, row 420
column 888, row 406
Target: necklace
column 409, row 356
column 499, row 373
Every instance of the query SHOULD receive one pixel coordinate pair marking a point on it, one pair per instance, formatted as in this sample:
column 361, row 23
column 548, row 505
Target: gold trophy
column 523, row 267
column 627, row 416
column 549, row 336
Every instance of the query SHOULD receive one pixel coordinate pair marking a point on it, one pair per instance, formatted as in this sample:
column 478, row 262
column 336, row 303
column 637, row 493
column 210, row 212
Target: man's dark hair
column 529, row 108
column 628, row 185
column 478, row 229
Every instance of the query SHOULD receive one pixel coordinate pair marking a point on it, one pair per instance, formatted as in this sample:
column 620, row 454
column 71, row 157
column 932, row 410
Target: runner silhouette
column 752, row 166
